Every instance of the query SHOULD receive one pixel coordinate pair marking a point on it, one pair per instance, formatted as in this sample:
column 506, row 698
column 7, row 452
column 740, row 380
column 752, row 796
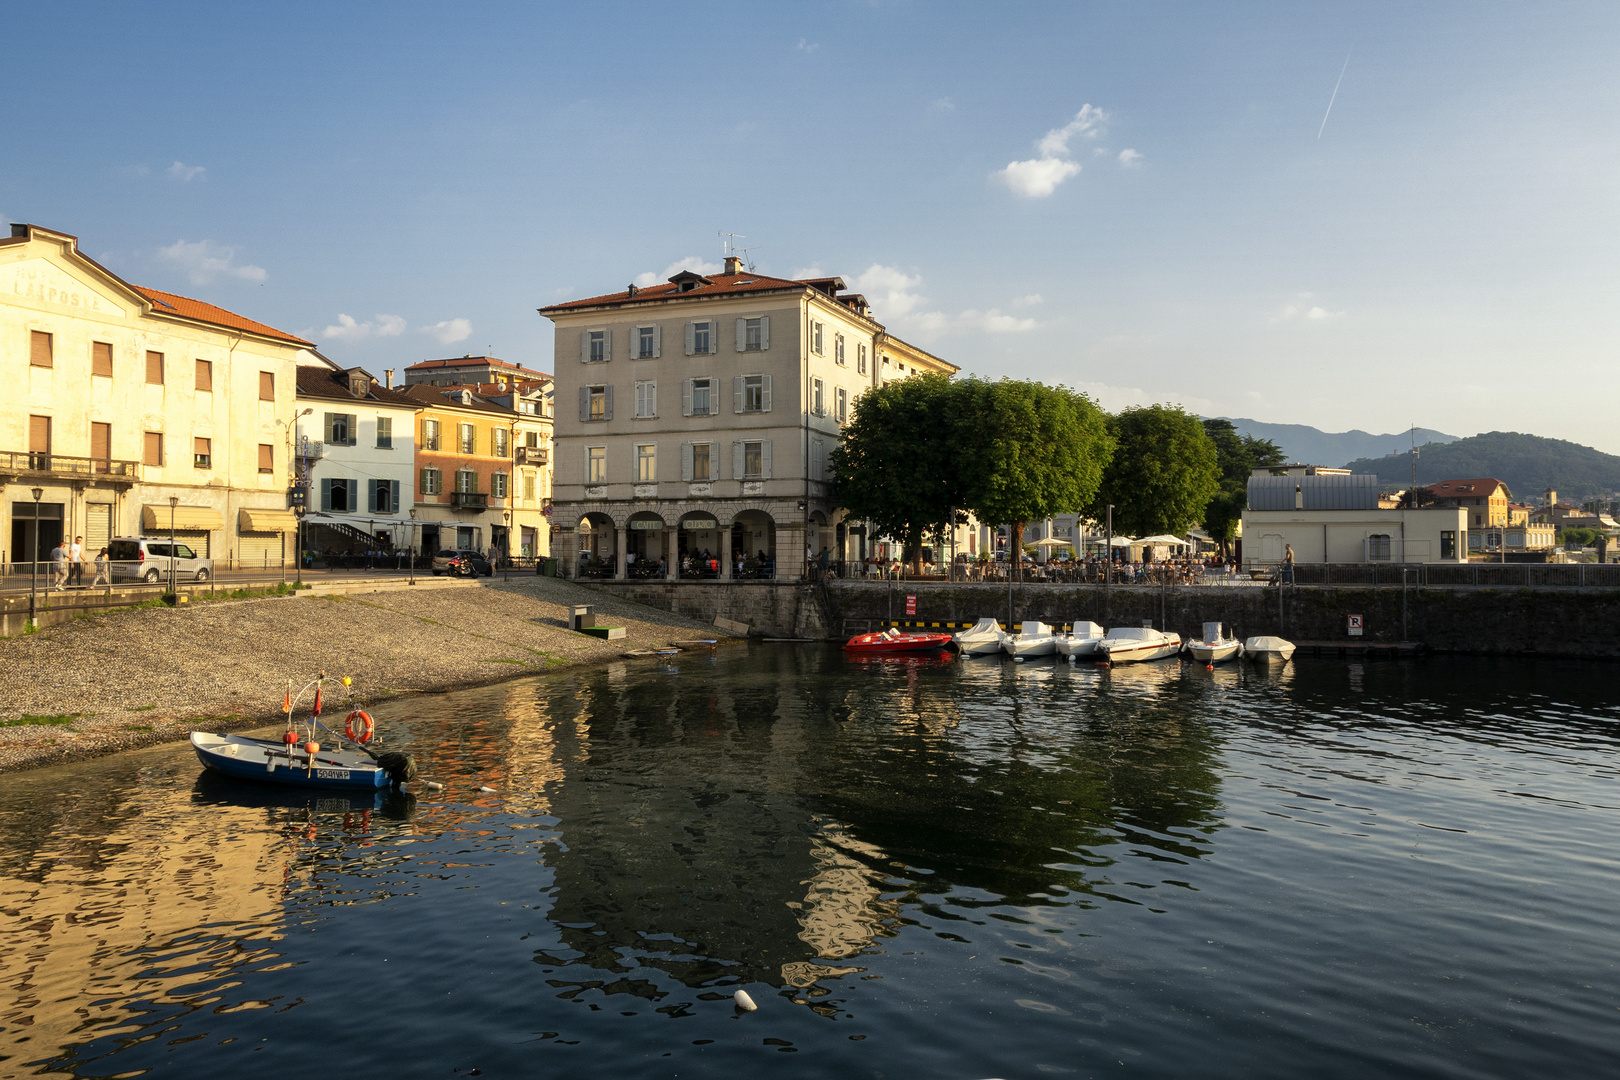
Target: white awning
column 156, row 518
column 266, row 521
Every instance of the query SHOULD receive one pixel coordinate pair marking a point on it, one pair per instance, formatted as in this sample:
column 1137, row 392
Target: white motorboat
column 1214, row 646
column 984, row 636
column 1032, row 639
column 1125, row 644
column 1268, row 650
column 1080, row 641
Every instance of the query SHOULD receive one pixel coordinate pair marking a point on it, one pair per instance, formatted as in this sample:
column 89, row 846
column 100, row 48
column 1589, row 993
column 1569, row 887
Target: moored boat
column 1214, row 646
column 1081, row 640
column 1267, row 649
column 1126, row 644
column 282, row 763
column 892, row 641
column 982, row 637
column 1033, row 639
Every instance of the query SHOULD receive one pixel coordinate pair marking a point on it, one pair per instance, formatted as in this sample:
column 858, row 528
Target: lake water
column 926, row 869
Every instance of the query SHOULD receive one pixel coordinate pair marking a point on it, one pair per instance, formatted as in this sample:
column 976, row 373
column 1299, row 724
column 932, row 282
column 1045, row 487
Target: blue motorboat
column 278, row 763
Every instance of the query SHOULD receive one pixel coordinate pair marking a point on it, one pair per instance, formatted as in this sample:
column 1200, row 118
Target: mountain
column 1312, row 446
column 1527, row 464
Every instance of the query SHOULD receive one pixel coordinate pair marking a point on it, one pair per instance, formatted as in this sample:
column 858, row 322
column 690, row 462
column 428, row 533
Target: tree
column 896, row 465
column 1027, row 450
column 1163, row 472
column 1236, row 456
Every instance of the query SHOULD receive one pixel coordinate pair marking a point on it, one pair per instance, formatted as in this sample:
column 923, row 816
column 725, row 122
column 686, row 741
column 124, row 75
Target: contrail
column 1335, row 95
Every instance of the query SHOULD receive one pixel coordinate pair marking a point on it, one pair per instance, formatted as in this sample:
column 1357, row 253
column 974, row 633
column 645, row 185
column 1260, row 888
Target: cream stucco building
column 125, row 397
column 1335, row 518
column 695, row 420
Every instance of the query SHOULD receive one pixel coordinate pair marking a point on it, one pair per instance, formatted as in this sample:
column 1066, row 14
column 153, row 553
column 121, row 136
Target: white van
column 137, row 558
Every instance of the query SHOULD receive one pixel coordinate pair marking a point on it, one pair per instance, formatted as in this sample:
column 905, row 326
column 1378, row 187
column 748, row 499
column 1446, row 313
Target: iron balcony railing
column 469, row 500
column 35, row 463
column 533, row 455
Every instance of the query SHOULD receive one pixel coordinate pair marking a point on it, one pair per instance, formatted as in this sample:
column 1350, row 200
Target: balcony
column 310, row 450
column 20, row 463
column 533, row 455
column 469, row 500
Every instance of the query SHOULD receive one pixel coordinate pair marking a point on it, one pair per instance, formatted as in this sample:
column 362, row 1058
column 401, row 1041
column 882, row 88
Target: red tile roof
column 187, row 308
column 1469, row 488
column 476, row 361
column 717, row 285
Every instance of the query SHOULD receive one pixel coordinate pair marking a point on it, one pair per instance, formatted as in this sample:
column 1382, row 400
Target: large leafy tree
column 1163, row 473
column 1028, row 450
column 1236, row 456
column 897, row 463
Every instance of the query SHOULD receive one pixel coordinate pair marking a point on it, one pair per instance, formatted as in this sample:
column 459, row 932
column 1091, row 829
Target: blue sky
column 406, row 181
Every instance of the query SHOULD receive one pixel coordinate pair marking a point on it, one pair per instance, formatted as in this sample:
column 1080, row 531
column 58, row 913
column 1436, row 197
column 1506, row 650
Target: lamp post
column 412, row 563
column 174, row 501
column 33, row 563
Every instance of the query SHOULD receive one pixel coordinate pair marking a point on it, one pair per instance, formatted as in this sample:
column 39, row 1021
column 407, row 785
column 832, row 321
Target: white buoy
column 486, row 788
column 434, row 785
column 744, row 1002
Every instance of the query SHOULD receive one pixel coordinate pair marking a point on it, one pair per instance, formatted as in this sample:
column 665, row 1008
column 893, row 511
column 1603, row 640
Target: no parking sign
column 1355, row 626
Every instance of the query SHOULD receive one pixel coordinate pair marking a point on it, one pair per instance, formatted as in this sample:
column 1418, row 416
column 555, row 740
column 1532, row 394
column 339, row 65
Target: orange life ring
column 367, row 727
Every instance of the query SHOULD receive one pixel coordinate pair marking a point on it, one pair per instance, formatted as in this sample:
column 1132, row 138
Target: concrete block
column 732, row 626
column 607, row 633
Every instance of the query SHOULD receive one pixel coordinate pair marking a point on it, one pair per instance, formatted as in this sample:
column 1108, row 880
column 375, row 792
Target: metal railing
column 469, row 500
column 533, row 455
column 25, row 462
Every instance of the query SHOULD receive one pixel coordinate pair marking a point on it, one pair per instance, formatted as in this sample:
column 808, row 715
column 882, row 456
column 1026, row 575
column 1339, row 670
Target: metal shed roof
column 1357, row 491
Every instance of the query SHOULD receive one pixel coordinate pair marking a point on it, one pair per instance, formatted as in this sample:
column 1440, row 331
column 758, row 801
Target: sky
column 1357, row 215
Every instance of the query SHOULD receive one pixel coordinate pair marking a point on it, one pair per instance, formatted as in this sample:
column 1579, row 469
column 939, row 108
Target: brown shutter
column 205, row 376
column 154, row 368
column 267, row 457
column 39, row 434
column 101, row 443
column 39, row 348
column 267, row 386
column 101, row 359
column 153, row 446
column 200, row 447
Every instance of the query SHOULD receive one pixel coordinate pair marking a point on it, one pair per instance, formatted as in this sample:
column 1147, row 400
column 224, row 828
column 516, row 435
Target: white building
column 1335, row 518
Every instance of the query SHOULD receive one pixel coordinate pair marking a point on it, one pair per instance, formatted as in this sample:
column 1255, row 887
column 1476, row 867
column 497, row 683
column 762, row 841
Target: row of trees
column 923, row 452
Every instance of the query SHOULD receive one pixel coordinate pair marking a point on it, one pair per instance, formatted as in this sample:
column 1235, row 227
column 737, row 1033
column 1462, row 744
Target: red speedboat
column 893, row 641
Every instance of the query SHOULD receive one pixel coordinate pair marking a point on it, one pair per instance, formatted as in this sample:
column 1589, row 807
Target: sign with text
column 1355, row 626
column 911, row 604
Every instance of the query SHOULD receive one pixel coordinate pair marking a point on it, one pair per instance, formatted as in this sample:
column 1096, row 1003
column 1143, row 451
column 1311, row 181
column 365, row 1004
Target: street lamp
column 412, row 562
column 300, row 505
column 174, row 501
column 33, row 563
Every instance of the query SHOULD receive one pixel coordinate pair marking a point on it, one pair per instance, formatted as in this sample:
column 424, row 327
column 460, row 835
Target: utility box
column 584, row 616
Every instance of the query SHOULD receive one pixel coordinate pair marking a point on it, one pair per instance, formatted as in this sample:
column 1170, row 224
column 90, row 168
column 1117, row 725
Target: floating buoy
column 744, row 1002
column 289, row 737
column 1018, row 659
column 1209, row 667
column 486, row 788
column 434, row 785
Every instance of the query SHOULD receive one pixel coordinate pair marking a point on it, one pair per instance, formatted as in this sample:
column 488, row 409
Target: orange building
column 464, row 447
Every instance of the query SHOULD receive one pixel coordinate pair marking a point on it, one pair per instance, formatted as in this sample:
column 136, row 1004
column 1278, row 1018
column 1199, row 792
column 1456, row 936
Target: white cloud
column 1129, row 157
column 808, row 46
column 449, row 332
column 805, row 273
column 994, row 322
column 1304, row 309
column 691, row 262
column 1029, row 301
column 205, row 260
column 895, row 296
column 943, row 104
column 891, row 291
column 1037, row 178
column 347, row 329
column 1087, row 123
column 185, row 173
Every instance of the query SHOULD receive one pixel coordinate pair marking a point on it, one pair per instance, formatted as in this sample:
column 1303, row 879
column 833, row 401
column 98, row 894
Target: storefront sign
column 699, row 524
column 650, row 526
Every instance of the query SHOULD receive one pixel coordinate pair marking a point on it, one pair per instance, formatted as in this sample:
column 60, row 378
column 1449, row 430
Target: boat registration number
column 332, row 774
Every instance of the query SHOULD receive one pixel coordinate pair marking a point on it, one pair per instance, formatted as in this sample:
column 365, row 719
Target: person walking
column 76, row 563
column 59, row 566
column 103, row 568
column 1288, row 564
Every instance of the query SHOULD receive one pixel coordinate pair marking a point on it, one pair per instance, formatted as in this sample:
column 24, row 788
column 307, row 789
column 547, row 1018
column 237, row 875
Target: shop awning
column 155, row 518
column 266, row 521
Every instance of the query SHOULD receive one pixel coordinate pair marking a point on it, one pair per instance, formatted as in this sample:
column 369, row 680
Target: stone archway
column 753, row 543
column 644, row 545
column 598, row 546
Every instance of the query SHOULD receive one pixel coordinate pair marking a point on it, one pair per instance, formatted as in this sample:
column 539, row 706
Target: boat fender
column 312, row 748
column 486, row 789
column 289, row 737
column 359, row 726
column 744, row 1002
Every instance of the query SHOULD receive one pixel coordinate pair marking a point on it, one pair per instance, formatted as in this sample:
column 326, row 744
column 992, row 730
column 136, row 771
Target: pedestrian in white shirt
column 76, row 562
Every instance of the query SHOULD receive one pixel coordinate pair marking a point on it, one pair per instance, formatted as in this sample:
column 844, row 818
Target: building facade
column 464, row 445
column 126, row 398
column 1335, row 517
column 695, row 420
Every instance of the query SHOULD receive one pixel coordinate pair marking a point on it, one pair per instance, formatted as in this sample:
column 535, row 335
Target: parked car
column 139, row 558
column 441, row 561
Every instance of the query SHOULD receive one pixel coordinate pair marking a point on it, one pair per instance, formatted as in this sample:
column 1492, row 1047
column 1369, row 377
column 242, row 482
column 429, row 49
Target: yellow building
column 127, row 397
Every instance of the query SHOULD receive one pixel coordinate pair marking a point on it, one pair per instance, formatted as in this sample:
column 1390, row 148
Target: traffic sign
column 1355, row 626
column 911, row 604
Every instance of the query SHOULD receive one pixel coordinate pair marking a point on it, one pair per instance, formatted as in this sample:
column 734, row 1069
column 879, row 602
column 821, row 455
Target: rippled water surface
column 926, row 869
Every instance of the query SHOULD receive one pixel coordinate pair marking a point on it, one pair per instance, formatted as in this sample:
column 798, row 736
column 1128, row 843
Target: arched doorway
column 698, row 545
column 753, row 544
column 598, row 539
column 644, row 544
column 817, row 538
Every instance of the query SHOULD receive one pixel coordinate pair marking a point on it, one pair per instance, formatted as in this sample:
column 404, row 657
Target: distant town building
column 1334, row 516
column 464, row 445
column 470, row 370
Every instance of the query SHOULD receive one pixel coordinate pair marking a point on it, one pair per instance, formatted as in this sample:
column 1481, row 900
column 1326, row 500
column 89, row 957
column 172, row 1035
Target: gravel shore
column 135, row 678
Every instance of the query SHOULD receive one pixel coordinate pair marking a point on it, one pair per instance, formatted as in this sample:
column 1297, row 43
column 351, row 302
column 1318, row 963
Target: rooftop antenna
column 728, row 246
column 748, row 260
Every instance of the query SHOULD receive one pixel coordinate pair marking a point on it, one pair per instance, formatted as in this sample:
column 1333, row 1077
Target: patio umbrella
column 1123, row 541
column 1051, row 542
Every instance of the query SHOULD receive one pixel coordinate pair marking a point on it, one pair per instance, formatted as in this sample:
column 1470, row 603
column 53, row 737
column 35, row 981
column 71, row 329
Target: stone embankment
column 121, row 679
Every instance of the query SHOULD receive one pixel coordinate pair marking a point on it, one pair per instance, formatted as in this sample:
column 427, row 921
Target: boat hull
column 1206, row 653
column 1077, row 646
column 1040, row 646
column 264, row 761
column 1130, row 652
column 979, row 646
column 1268, row 650
column 879, row 643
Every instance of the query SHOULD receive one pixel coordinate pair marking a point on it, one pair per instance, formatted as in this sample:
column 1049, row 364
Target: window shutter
column 652, row 399
column 371, row 496
column 737, row 392
column 765, row 396
column 737, row 460
column 742, row 334
column 331, row 420
column 658, row 341
column 607, row 403
column 686, row 397
column 584, row 346
column 765, row 459
column 326, row 493
column 686, row 461
column 584, row 404
column 422, row 481
column 765, row 332
column 354, row 429
column 393, row 496
column 691, row 338
column 607, row 344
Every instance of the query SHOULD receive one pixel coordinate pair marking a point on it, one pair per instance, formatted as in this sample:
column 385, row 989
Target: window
column 40, row 349
column 432, row 481
column 267, row 386
column 648, row 342
column 340, row 429
column 1378, row 547
column 1448, row 544
column 430, row 434
column 382, row 496
column 385, row 432
column 838, row 348
column 205, row 376
column 596, row 465
column 646, row 399
column 39, row 437
column 202, row 456
column 843, row 405
column 267, row 459
column 646, row 464
column 815, row 338
column 497, row 485
column 753, row 335
column 752, row 393
column 699, row 338
column 700, row 457
column 466, row 481
column 154, row 368
column 753, row 457
column 466, row 438
column 860, row 358
column 499, row 438
column 595, row 403
column 528, row 487
column 818, row 398
column 152, row 448
column 101, row 359
column 531, row 439
column 101, row 445
column 700, row 398
column 338, row 494
column 594, row 346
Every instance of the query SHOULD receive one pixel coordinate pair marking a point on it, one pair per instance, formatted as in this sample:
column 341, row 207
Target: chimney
column 388, row 378
column 630, row 290
column 1299, row 498
column 734, row 264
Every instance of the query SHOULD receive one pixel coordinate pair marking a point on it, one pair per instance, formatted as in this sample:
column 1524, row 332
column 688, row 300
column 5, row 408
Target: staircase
column 349, row 533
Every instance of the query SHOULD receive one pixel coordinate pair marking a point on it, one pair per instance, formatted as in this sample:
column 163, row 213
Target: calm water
column 955, row 870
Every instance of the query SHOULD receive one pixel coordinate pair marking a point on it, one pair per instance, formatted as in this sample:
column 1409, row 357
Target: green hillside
column 1528, row 464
